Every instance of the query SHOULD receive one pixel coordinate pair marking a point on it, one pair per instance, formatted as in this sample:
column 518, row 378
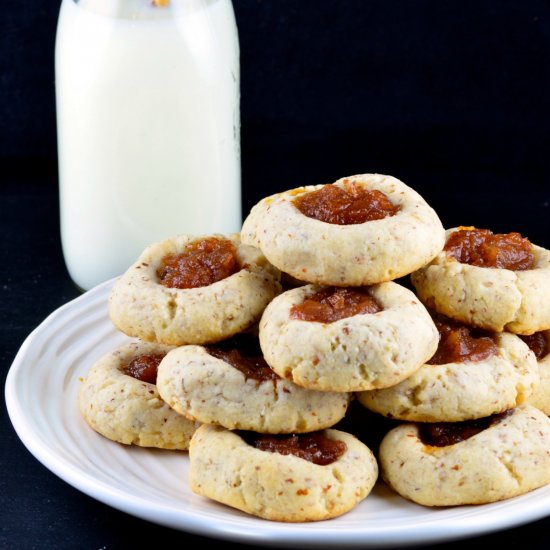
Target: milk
column 148, row 128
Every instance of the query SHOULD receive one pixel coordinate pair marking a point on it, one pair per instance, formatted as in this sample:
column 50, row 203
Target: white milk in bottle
column 148, row 127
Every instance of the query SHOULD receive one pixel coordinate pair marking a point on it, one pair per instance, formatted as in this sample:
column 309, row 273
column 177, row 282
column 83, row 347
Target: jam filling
column 144, row 367
column 538, row 344
column 459, row 343
column 483, row 248
column 441, row 434
column 201, row 263
column 347, row 205
column 332, row 304
column 243, row 353
column 315, row 447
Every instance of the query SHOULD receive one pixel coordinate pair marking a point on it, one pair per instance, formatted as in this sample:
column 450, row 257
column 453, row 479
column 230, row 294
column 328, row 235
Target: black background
column 450, row 97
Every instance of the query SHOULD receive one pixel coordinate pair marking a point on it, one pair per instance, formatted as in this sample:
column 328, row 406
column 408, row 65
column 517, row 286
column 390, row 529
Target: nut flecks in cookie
column 457, row 391
column 142, row 307
column 484, row 248
column 488, row 297
column 275, row 486
column 346, row 205
column 507, row 459
column 357, row 353
column 129, row 410
column 211, row 390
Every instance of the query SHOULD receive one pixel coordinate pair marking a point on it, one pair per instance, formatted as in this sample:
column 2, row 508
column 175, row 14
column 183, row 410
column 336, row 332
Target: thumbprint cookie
column 357, row 231
column 230, row 384
column 473, row 374
column 193, row 290
column 472, row 462
column 291, row 478
column 119, row 399
column 494, row 281
column 347, row 339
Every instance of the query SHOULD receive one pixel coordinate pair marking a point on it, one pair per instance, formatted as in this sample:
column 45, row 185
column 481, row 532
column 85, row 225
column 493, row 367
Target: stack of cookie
column 192, row 305
column 344, row 328
column 483, row 392
column 258, row 374
column 120, row 398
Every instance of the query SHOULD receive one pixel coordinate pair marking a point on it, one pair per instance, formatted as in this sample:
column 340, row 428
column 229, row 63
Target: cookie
column 508, row 458
column 539, row 343
column 345, row 250
column 128, row 410
column 494, row 298
column 140, row 305
column 456, row 391
column 231, row 385
column 354, row 353
column 224, row 467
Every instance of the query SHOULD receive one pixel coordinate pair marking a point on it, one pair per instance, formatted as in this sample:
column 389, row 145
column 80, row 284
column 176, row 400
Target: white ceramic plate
column 41, row 396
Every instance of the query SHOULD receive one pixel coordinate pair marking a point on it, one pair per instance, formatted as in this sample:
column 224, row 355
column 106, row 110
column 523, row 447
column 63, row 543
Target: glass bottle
column 148, row 121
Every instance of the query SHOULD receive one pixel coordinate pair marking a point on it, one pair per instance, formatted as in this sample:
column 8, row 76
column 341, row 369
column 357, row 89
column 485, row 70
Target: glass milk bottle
column 148, row 125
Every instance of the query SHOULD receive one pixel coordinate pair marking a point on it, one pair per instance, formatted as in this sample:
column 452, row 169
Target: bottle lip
column 144, row 10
